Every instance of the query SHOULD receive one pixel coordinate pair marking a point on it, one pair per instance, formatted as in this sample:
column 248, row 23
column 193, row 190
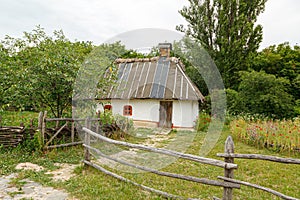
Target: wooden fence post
column 87, row 141
column 40, row 121
column 43, row 128
column 72, row 130
column 228, row 173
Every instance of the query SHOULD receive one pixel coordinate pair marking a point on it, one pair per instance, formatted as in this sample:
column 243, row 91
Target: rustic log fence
column 228, row 182
column 49, row 129
column 12, row 136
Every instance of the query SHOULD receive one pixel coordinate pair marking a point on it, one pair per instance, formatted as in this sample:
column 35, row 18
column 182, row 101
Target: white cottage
column 154, row 92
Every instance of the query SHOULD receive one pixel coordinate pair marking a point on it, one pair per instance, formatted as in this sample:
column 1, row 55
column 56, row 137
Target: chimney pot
column 164, row 49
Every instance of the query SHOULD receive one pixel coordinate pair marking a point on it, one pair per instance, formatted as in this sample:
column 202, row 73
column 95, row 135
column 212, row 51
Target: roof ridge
column 130, row 60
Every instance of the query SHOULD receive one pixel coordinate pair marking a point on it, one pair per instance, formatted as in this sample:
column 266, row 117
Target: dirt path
column 33, row 190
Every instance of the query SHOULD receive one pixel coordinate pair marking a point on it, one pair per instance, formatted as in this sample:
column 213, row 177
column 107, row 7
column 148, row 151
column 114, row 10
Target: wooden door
column 165, row 114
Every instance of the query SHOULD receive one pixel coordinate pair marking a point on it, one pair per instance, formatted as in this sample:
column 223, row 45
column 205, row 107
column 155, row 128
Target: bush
column 115, row 126
column 263, row 94
column 32, row 144
column 202, row 122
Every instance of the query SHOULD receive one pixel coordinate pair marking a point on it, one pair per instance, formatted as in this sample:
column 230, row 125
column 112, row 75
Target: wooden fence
column 60, row 125
column 228, row 183
column 12, row 136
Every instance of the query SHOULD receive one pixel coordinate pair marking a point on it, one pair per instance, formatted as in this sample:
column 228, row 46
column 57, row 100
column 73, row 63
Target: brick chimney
column 164, row 49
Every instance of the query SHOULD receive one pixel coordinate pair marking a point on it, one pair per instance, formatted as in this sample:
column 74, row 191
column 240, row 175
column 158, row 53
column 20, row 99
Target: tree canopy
column 44, row 69
column 38, row 71
column 262, row 93
column 282, row 61
column 227, row 30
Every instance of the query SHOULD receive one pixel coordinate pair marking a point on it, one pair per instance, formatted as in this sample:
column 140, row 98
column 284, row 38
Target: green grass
column 92, row 184
column 14, row 118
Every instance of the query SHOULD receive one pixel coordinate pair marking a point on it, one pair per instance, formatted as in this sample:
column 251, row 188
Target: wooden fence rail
column 191, row 157
column 283, row 196
column 228, row 164
column 260, row 157
column 159, row 192
column 167, row 174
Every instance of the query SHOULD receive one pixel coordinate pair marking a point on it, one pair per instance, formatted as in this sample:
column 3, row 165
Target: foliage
column 30, row 144
column 202, row 122
column 282, row 61
column 187, row 52
column 227, row 30
column 13, row 118
column 232, row 100
column 125, row 123
column 106, row 117
column 275, row 135
column 45, row 68
column 115, row 126
column 5, row 71
column 261, row 93
column 96, row 77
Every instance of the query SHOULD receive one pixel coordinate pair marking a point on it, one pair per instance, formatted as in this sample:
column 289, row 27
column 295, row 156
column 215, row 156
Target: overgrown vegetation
column 15, row 118
column 275, row 135
column 115, row 126
column 202, row 122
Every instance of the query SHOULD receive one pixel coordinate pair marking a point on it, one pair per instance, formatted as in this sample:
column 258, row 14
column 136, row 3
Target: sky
column 100, row 20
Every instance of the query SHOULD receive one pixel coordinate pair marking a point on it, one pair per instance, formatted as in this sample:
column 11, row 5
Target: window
column 127, row 110
column 107, row 107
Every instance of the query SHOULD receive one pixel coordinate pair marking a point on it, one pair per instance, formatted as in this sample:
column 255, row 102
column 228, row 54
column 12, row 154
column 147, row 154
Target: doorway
column 165, row 114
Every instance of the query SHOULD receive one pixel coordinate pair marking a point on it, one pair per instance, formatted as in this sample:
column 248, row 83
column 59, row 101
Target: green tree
column 282, row 61
column 262, row 93
column 46, row 68
column 98, row 72
column 227, row 30
column 4, row 71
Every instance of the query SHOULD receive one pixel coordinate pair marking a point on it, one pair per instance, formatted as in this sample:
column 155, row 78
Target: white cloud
column 93, row 20
column 99, row 20
column 281, row 21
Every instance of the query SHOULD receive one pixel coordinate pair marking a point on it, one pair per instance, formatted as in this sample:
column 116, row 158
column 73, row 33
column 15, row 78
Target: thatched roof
column 153, row 78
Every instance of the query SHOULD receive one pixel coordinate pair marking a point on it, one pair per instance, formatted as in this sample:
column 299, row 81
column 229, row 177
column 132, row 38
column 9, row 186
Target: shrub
column 262, row 93
column 202, row 122
column 115, row 126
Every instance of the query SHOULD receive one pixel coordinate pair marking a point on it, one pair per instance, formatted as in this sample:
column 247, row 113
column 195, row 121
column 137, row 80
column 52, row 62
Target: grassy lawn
column 13, row 118
column 92, row 184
